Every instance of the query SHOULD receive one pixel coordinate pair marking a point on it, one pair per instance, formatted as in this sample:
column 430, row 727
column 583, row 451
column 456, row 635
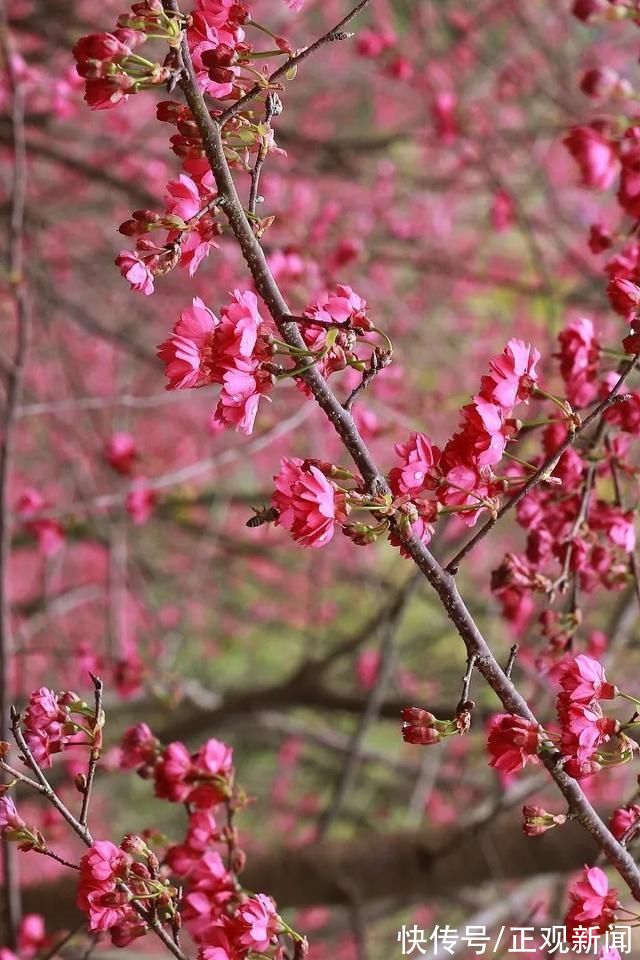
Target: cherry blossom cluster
column 190, row 201
column 222, row 56
column 461, row 476
column 310, row 501
column 111, row 68
column 241, row 352
column 515, row 741
column 234, row 350
column 585, row 742
column 592, row 903
column 224, row 62
column 607, row 150
column 191, row 229
column 127, row 889
column 114, row 880
column 583, row 728
column 53, row 722
column 580, row 533
column 214, row 909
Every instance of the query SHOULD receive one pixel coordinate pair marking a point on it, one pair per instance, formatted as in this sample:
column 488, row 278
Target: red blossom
column 138, row 748
column 9, row 817
column 513, row 742
column 120, row 452
column 595, row 155
column 45, row 724
column 624, row 296
column 201, row 779
column 622, row 819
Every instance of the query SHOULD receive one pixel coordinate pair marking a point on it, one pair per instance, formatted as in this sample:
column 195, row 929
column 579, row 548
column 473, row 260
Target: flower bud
column 134, row 845
column 283, row 44
column 133, row 228
column 238, row 860
column 600, row 82
column 537, row 820
column 100, row 47
column 579, row 769
column 168, row 111
column 418, row 726
column 131, row 38
column 588, row 10
column 600, row 238
column 361, row 533
column 140, row 871
column 624, row 295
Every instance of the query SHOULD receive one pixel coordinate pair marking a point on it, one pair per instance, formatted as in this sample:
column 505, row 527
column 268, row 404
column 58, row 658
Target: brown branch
column 98, row 687
column 342, row 421
column 43, row 785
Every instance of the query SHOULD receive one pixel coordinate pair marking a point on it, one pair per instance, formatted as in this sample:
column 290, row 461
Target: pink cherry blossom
column 258, row 922
column 309, row 505
column 187, row 353
column 593, row 902
column 133, row 268
column 120, row 452
column 582, row 678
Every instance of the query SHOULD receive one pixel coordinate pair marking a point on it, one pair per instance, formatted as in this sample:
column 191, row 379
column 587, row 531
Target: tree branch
column 342, row 421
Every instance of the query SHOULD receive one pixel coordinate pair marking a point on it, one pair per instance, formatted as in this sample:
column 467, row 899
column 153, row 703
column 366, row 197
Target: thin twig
column 273, row 108
column 379, row 360
column 98, row 687
column 336, row 33
column 44, row 786
column 575, row 528
column 513, row 653
column 464, row 703
column 54, row 856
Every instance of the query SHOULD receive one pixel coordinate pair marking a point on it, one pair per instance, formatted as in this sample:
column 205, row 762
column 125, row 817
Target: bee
column 266, row 515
